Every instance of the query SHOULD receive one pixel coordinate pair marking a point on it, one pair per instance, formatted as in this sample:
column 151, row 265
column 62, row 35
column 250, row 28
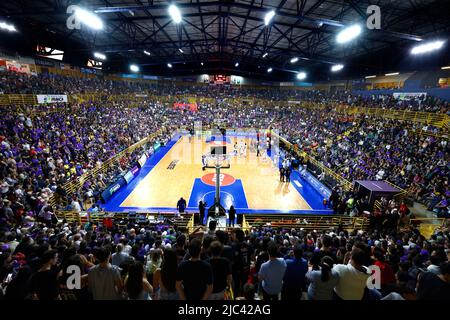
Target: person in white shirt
column 352, row 277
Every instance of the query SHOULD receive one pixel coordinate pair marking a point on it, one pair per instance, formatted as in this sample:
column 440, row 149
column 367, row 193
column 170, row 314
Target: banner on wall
column 317, row 185
column 142, row 160
column 409, row 95
column 131, row 174
column 18, row 67
column 51, row 98
column 294, row 102
column 113, row 188
column 44, row 63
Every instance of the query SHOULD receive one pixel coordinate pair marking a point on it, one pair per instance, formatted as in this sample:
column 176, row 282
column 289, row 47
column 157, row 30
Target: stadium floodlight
column 181, row 50
column 269, row 70
column 427, row 47
column 169, row 65
column 337, row 67
column 293, row 60
column 349, row 33
column 88, row 18
column 269, row 16
column 370, row 77
column 236, row 64
column 147, row 53
column 99, row 55
column 445, row 68
column 175, row 13
column 301, row 75
column 134, row 68
column 265, row 55
column 8, row 27
column 392, row 74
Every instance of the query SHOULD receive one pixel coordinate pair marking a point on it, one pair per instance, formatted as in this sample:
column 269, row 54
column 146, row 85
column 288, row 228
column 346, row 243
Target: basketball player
column 235, row 148
column 245, row 149
column 203, row 162
column 258, row 150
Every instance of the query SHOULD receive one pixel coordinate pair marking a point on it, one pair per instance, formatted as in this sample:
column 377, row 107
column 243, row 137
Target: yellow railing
column 305, row 222
column 74, row 185
column 17, row 99
column 346, row 185
column 428, row 226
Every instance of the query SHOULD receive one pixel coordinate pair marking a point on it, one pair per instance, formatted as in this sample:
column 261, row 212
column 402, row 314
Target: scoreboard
column 219, row 79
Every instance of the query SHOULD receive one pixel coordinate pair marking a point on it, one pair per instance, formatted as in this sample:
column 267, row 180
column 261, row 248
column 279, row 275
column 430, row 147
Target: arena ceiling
column 221, row 33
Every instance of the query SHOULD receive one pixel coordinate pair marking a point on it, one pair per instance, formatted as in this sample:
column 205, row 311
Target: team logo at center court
column 225, row 179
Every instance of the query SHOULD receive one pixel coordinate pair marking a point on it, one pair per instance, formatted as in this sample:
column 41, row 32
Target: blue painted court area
column 233, row 194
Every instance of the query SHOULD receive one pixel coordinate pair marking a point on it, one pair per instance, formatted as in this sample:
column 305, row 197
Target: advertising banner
column 317, row 185
column 18, row 67
column 142, row 160
column 113, row 188
column 409, row 95
column 51, row 98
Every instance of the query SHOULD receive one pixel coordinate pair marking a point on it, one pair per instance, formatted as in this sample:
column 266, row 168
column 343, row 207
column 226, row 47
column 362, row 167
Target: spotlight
column 337, row 67
column 301, row 75
column 147, row 53
column 175, row 13
column 169, row 65
column 134, row 68
column 269, row 70
column 9, row 27
column 349, row 34
column 294, row 60
column 236, row 64
column 427, row 47
column 265, row 55
column 269, row 16
column 99, row 55
column 90, row 19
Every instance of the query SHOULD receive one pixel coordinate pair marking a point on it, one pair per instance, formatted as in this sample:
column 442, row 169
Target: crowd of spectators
column 156, row 261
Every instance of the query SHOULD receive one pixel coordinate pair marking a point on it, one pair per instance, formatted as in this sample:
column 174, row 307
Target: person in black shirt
column 326, row 250
column 181, row 205
column 201, row 210
column 44, row 284
column 434, row 287
column 221, row 271
column 232, row 216
column 194, row 276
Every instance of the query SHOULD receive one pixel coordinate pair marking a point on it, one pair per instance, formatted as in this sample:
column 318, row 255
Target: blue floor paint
column 113, row 204
column 230, row 195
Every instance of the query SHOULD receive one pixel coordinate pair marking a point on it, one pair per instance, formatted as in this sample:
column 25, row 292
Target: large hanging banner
column 51, row 98
column 18, row 67
column 409, row 95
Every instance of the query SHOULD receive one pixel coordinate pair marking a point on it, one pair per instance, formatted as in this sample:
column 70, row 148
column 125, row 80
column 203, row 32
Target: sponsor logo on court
column 225, row 179
column 172, row 165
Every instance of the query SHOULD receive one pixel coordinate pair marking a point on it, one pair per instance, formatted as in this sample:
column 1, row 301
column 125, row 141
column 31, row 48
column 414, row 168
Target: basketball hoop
column 214, row 161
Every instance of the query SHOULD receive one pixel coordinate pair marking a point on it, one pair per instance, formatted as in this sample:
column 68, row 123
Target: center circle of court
column 225, row 179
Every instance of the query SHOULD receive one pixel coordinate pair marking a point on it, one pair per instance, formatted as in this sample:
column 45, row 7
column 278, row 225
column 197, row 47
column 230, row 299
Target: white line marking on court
column 298, row 184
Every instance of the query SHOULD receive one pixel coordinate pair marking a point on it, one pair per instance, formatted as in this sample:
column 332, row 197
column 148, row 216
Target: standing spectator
column 136, row 285
column 194, row 276
column 105, row 282
column 164, row 279
column 352, row 277
column 231, row 216
column 325, row 250
column 323, row 281
column 221, row 271
column 271, row 274
column 120, row 256
column 201, row 210
column 294, row 277
column 44, row 284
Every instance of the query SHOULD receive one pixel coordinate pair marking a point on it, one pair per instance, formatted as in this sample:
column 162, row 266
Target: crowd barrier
column 75, row 185
column 183, row 222
column 305, row 222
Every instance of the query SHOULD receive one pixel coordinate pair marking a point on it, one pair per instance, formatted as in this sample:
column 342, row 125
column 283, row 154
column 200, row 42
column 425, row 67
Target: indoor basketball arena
column 240, row 150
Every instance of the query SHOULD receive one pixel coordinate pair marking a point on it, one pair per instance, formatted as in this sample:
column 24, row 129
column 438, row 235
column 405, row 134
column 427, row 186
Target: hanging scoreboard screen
column 219, row 79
